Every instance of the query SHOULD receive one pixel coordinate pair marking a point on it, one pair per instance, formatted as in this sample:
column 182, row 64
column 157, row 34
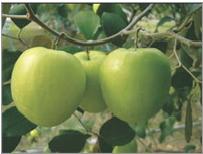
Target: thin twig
column 134, row 10
column 184, row 23
column 33, row 18
column 169, row 57
column 137, row 37
column 10, row 36
column 144, row 144
column 196, row 80
column 16, row 38
column 181, row 65
column 14, row 16
column 176, row 55
column 85, row 127
column 167, row 34
column 58, row 40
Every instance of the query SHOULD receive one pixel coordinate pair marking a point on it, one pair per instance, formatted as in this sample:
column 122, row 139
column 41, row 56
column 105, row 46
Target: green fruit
column 47, row 85
column 135, row 83
column 92, row 100
column 127, row 148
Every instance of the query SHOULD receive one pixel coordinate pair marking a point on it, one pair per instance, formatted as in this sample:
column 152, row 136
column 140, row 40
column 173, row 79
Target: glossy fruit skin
column 135, row 82
column 127, row 148
column 47, row 85
column 92, row 100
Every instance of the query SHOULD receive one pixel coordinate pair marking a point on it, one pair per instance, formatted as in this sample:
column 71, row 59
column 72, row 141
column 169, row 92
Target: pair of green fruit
column 47, row 85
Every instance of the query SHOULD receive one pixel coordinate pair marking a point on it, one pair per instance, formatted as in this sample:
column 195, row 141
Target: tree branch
column 126, row 31
column 167, row 34
column 14, row 16
column 182, row 39
column 33, row 18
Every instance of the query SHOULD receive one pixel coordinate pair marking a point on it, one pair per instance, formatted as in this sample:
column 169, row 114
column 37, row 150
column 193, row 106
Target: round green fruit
column 127, row 148
column 92, row 100
column 135, row 83
column 47, row 85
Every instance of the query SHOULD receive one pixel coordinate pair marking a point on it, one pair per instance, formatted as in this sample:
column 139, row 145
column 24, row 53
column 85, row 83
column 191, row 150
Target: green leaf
column 69, row 141
column 169, row 105
column 104, row 147
column 99, row 33
column 62, row 10
column 8, row 60
column 140, row 129
column 112, row 24
column 10, row 143
column 181, row 79
column 15, row 124
column 166, row 129
column 6, row 94
column 193, row 7
column 117, row 132
column 112, row 8
column 178, row 114
column 71, row 49
column 42, row 41
column 5, row 10
column 198, row 58
column 88, row 22
column 188, row 148
column 185, row 59
column 188, row 122
column 19, row 9
column 198, row 22
column 163, row 21
column 161, row 45
column 191, row 32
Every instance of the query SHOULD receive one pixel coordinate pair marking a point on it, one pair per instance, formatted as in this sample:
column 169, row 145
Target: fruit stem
column 88, row 56
column 137, row 37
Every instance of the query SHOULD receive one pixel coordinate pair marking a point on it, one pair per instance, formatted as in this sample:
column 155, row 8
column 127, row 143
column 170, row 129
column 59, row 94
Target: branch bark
column 182, row 39
column 14, row 16
column 126, row 31
column 167, row 34
column 33, row 18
